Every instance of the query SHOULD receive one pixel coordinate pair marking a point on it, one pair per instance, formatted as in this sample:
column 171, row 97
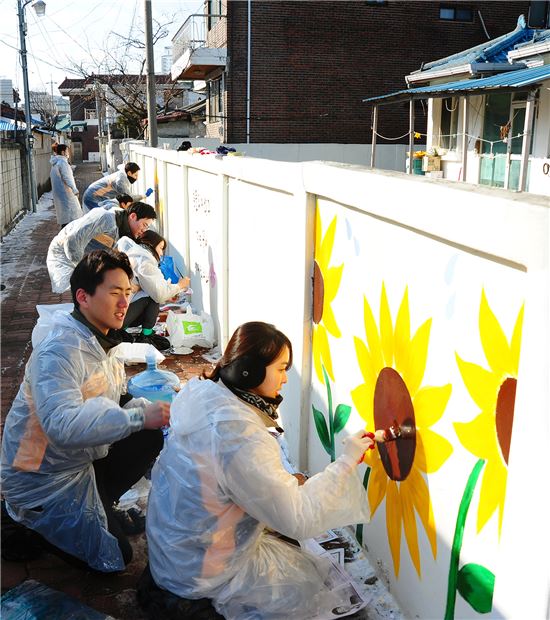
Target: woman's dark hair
column 150, row 239
column 90, row 271
column 262, row 342
column 124, row 198
column 60, row 149
column 131, row 167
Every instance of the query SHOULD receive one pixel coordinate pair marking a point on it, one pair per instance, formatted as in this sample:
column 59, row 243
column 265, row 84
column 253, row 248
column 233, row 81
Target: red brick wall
column 313, row 62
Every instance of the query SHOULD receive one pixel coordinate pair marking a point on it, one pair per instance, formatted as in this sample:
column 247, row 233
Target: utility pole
column 98, row 112
column 29, row 140
column 151, row 96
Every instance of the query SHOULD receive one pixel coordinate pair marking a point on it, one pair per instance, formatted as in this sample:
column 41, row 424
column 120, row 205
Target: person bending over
column 99, row 229
column 69, row 450
column 153, row 289
column 110, row 186
column 122, row 201
column 220, row 483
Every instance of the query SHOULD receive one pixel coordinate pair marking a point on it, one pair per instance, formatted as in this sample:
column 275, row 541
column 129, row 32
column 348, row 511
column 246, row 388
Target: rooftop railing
column 193, row 33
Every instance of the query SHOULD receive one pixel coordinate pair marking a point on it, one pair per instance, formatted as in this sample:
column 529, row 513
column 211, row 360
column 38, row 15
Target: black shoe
column 121, row 335
column 159, row 342
column 131, row 521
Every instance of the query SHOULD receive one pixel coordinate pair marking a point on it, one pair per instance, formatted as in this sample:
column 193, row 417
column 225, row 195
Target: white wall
column 245, row 230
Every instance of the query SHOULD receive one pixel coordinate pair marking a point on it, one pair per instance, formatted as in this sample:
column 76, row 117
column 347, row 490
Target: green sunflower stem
column 330, row 415
column 359, row 528
column 458, row 538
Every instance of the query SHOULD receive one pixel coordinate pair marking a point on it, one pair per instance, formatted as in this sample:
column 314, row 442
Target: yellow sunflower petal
column 409, row 523
column 479, row 436
column 327, row 245
column 492, row 493
column 481, row 384
column 432, row 450
column 332, row 278
column 515, row 344
column 421, row 499
column 378, row 482
column 402, row 337
column 429, row 404
column 494, row 342
column 393, row 523
column 329, row 321
column 417, row 358
column 321, row 353
column 363, row 399
column 365, row 361
column 386, row 328
column 373, row 339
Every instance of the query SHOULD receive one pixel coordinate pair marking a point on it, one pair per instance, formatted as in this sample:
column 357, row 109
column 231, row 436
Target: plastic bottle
column 154, row 384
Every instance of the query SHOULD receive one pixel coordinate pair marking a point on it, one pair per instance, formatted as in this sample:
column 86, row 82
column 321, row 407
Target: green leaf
column 341, row 416
column 322, row 430
column 476, row 584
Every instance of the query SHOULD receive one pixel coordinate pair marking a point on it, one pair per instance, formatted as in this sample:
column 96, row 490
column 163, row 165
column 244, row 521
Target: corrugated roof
column 494, row 50
column 511, row 80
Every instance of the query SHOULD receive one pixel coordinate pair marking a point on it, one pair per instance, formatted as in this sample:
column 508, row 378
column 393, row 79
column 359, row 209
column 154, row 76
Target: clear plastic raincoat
column 67, row 207
column 218, row 483
column 64, row 417
column 108, row 187
column 147, row 273
column 69, row 246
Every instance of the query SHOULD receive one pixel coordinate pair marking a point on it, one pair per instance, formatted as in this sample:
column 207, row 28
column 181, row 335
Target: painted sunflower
column 326, row 281
column 392, row 364
column 488, row 435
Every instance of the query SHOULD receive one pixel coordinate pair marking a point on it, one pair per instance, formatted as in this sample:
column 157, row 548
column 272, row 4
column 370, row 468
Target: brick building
column 312, row 63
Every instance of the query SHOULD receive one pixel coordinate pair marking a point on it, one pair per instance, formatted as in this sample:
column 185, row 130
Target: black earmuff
column 245, row 373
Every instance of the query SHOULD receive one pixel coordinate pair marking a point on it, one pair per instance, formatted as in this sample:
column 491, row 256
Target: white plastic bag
column 136, row 352
column 190, row 330
column 45, row 320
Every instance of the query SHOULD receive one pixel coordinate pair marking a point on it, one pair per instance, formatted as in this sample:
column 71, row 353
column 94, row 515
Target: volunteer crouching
column 69, row 451
column 219, row 484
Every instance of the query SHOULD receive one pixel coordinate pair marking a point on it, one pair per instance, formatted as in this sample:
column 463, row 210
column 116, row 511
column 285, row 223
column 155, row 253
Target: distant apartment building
column 298, row 72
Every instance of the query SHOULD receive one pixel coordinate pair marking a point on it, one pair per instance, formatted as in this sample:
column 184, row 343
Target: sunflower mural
column 487, row 437
column 326, row 282
column 392, row 364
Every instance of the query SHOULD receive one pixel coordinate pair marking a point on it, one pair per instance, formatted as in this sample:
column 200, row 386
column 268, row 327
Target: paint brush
column 383, row 435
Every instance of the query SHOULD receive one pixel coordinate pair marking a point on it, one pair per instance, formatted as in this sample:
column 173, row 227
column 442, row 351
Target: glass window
column 449, row 123
column 456, row 14
column 214, row 11
column 215, row 100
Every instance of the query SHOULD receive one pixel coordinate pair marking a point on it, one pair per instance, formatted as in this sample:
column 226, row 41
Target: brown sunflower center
column 318, row 293
column 504, row 417
column 393, row 405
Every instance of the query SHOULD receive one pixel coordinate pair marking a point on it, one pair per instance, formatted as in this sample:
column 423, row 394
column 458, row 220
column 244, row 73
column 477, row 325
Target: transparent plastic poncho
column 218, row 485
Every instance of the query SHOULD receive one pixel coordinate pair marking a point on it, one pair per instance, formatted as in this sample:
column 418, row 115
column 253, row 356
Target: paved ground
column 25, row 278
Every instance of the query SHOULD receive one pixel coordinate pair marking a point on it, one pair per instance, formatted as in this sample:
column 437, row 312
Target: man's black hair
column 60, row 149
column 124, row 198
column 143, row 211
column 131, row 167
column 90, row 271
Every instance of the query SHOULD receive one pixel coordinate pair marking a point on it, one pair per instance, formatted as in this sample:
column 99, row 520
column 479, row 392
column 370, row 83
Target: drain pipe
column 249, row 36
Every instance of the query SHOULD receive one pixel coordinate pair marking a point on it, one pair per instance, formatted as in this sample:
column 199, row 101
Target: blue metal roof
column 511, row 80
column 489, row 51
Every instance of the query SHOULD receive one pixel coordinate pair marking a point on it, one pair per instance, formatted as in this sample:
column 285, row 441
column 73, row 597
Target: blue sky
column 79, row 31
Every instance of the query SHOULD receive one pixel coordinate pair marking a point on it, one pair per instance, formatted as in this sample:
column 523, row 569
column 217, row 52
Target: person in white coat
column 64, row 190
column 110, row 186
column 95, row 230
column 69, row 450
column 153, row 288
column 219, row 486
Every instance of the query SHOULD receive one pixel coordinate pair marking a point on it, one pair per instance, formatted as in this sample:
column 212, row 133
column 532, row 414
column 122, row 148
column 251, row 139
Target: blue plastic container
column 154, row 384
